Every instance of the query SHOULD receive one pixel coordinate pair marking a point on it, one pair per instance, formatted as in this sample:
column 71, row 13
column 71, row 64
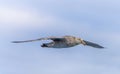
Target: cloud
column 13, row 18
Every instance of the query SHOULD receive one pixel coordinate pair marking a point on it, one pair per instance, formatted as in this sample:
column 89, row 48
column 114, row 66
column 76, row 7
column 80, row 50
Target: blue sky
column 92, row 20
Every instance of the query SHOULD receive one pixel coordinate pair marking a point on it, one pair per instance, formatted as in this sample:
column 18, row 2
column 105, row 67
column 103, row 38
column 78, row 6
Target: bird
column 63, row 42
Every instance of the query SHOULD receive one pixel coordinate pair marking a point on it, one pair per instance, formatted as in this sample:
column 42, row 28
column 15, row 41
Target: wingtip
column 101, row 47
column 98, row 46
column 15, row 42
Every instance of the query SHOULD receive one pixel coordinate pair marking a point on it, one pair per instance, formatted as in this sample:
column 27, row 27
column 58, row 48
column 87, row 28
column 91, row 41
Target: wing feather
column 93, row 44
column 49, row 38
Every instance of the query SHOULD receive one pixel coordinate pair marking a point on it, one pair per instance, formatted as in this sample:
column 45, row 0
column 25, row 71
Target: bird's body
column 63, row 42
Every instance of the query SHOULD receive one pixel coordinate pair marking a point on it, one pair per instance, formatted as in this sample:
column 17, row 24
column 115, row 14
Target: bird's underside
column 63, row 42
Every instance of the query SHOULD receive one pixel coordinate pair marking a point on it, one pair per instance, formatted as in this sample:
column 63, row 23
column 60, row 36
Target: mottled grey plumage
column 63, row 42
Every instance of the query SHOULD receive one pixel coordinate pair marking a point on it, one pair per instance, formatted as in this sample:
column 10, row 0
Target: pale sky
column 92, row 20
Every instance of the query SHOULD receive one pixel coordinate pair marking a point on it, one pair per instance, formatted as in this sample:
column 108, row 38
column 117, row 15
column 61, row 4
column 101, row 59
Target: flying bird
column 63, row 42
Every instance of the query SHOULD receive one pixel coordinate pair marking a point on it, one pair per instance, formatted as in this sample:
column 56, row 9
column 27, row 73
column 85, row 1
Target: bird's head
column 79, row 41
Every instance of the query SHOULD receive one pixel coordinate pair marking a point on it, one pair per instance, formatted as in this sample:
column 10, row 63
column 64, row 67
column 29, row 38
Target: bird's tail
column 93, row 44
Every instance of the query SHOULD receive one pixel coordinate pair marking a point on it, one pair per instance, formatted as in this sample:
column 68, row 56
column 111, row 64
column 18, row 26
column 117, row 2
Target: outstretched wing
column 93, row 44
column 49, row 38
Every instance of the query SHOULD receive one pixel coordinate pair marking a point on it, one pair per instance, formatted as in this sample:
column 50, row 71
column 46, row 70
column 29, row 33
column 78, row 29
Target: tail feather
column 93, row 44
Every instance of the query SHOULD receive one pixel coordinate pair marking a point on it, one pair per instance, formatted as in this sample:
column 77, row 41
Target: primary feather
column 93, row 44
